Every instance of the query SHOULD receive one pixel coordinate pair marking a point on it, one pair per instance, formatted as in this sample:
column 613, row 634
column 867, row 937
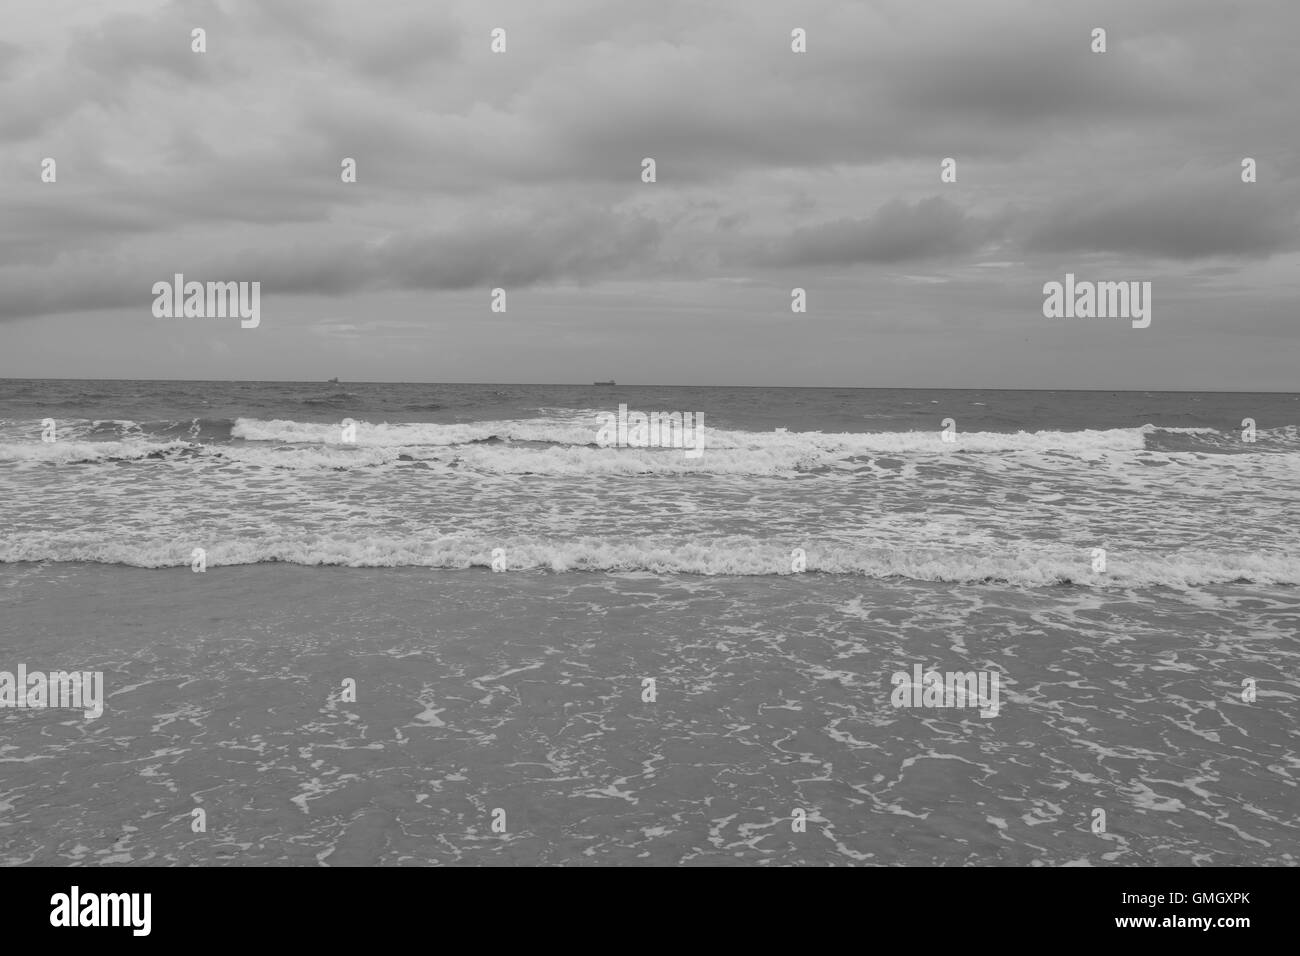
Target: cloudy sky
column 523, row 170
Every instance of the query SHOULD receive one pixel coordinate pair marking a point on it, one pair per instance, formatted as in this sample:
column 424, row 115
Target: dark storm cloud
column 1188, row 221
column 584, row 246
column 898, row 232
column 1034, row 66
column 124, row 47
column 377, row 41
column 40, row 223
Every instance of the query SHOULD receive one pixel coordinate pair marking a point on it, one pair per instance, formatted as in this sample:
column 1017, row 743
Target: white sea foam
column 579, row 429
column 783, row 454
column 388, row 435
column 1179, row 431
column 73, row 452
column 1026, row 567
column 587, row 433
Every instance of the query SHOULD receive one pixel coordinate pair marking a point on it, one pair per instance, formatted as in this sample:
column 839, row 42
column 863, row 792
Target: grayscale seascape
column 602, row 433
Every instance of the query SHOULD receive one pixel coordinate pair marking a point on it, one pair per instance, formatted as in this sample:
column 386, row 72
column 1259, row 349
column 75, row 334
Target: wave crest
column 742, row 556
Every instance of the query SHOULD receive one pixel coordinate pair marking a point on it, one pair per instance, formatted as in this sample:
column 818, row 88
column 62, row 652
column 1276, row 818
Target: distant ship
column 610, row 382
column 334, row 381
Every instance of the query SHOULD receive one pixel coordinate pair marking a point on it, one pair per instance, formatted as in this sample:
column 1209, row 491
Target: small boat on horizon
column 610, row 382
column 334, row 381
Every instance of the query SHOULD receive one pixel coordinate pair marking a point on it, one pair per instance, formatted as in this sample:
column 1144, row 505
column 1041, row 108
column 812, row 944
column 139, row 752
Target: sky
column 774, row 170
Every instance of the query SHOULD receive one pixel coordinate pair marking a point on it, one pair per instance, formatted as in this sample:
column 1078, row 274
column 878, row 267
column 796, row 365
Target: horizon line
column 864, row 388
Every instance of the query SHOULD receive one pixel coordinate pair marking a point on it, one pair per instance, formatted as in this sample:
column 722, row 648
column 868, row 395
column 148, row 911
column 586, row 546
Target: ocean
column 468, row 632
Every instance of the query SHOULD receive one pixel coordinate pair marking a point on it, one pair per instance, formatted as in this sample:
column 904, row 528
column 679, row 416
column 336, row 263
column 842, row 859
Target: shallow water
column 522, row 691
